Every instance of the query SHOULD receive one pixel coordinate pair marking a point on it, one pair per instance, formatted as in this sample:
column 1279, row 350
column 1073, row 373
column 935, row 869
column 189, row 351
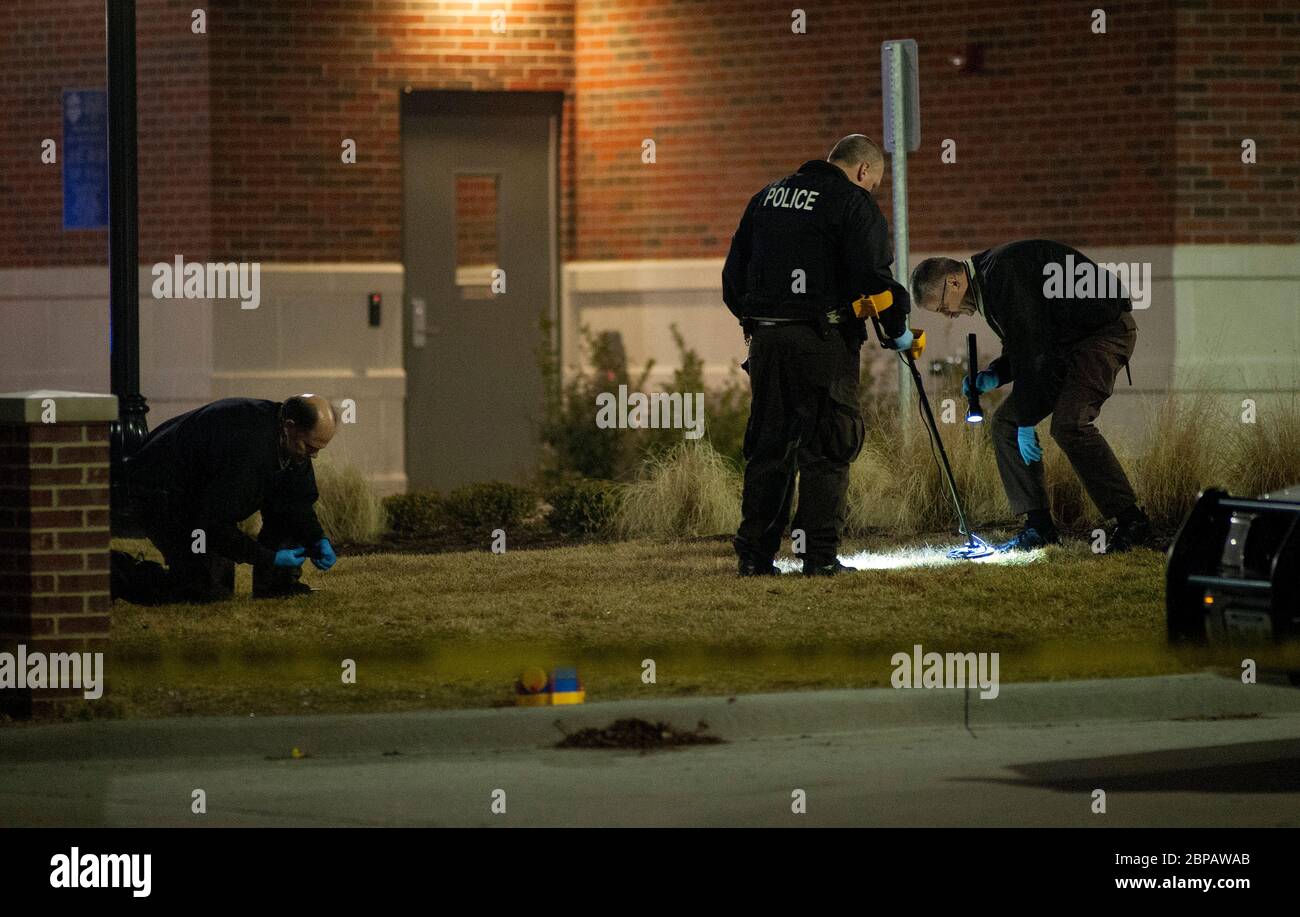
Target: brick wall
column 283, row 83
column 1061, row 133
column 1238, row 77
column 49, row 47
column 292, row 79
column 1132, row 137
column 54, row 540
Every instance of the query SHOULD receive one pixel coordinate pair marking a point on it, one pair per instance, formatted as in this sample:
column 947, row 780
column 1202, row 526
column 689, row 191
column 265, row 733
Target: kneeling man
column 1063, row 352
column 198, row 475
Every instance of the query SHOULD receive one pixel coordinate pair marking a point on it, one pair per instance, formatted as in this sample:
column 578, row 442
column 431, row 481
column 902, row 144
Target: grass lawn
column 454, row 629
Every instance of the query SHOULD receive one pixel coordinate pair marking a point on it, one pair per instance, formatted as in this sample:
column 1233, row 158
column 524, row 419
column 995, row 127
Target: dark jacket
column 1038, row 332
column 215, row 466
column 817, row 221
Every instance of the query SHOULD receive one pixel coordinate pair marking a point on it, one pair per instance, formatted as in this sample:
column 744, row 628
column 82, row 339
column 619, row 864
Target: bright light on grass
column 923, row 556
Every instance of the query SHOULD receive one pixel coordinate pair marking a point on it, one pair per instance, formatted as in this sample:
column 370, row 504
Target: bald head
column 309, row 425
column 860, row 159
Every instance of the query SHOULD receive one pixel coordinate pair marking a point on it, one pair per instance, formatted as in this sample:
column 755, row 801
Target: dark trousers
column 1089, row 380
column 209, row 577
column 803, row 419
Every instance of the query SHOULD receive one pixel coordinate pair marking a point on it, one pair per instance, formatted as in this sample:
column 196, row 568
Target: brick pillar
column 54, row 534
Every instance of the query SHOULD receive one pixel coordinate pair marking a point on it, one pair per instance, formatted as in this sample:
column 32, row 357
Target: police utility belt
column 833, row 317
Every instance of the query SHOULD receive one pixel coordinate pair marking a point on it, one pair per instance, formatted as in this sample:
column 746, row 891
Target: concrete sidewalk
column 1185, row 750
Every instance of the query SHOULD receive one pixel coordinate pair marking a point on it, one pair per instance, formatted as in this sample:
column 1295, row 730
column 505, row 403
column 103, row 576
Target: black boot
column 833, row 568
column 1029, row 539
column 1132, row 530
column 281, row 590
column 140, row 581
column 748, row 565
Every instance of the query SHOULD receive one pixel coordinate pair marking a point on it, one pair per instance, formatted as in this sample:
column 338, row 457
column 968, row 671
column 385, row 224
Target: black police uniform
column 209, row 469
column 1063, row 354
column 804, row 347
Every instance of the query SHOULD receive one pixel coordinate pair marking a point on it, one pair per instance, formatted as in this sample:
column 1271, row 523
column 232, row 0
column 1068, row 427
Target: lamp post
column 126, row 435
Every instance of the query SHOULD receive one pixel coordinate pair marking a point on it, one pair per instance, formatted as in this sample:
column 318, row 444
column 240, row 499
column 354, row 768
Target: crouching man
column 198, row 475
column 1062, row 353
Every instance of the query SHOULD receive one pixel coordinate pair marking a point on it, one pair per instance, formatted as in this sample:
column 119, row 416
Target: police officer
column 1063, row 348
column 807, row 247
column 210, row 468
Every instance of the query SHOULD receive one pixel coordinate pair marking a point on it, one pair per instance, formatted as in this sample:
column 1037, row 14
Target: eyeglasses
column 943, row 305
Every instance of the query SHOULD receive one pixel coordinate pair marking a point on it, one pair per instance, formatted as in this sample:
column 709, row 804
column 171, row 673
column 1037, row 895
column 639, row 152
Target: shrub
column 689, row 491
column 348, row 508
column 571, row 441
column 583, row 507
column 414, row 515
column 897, row 484
column 1180, row 457
column 574, row 445
column 1266, row 454
column 489, row 505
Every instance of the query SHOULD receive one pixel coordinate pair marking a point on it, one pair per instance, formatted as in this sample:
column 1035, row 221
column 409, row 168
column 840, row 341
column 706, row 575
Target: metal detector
column 871, row 307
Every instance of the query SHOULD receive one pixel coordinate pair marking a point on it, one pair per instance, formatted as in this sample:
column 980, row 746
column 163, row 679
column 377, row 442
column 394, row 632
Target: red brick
column 81, row 455
column 96, row 518
column 98, row 541
column 55, row 433
column 83, row 582
column 84, row 624
column 48, row 562
column 82, row 496
column 632, row 69
column 58, row 604
column 48, row 476
column 57, row 519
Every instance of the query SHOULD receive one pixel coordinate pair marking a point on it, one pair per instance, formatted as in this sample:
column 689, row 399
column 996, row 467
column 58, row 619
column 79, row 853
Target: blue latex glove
column 1027, row 439
column 290, row 557
column 985, row 381
column 324, row 557
column 903, row 341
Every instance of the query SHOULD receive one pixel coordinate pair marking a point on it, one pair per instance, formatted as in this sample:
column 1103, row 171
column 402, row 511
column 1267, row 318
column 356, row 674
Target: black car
column 1233, row 573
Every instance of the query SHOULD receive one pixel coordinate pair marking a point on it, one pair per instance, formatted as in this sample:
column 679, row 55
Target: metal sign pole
column 898, row 165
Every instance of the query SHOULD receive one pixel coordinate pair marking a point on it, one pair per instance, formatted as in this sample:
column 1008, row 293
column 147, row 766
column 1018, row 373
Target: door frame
column 507, row 103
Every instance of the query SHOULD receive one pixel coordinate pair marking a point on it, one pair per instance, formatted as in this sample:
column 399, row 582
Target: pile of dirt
column 635, row 733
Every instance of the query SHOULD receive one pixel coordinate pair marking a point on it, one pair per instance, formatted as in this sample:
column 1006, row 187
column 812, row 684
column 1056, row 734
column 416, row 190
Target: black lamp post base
column 125, row 436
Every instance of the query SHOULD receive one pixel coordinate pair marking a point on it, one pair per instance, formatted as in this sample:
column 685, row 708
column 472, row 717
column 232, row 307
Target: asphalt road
column 1177, row 751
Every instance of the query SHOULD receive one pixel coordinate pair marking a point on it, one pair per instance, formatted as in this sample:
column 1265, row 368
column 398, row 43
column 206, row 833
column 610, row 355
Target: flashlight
column 974, row 413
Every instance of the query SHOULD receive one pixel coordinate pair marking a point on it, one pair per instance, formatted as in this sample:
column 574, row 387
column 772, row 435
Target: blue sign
column 85, row 159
